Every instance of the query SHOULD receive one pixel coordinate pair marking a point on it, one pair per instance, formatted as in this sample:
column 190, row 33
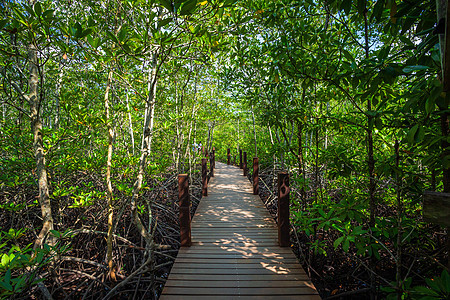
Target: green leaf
column 384, row 52
column 407, row 41
column 30, row 10
column 164, row 22
column 425, row 291
column 346, row 245
column 77, row 30
column 347, row 55
column 167, row 4
column 410, row 69
column 122, row 34
column 361, row 5
column 37, row 8
column 412, row 133
column 5, row 260
column 378, row 123
column 188, row 7
column 346, row 6
column 112, row 37
column 56, row 233
column 420, row 135
column 6, row 286
column 446, row 280
column 3, row 23
column 7, row 277
column 338, row 241
column 429, row 105
column 378, row 10
column 86, row 32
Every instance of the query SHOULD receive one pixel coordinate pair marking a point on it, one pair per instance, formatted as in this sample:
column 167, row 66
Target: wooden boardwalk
column 234, row 252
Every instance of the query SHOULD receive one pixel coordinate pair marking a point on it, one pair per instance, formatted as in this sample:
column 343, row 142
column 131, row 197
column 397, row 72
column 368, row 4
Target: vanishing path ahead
column 235, row 252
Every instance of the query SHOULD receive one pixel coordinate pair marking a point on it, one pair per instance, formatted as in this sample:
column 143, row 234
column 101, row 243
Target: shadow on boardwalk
column 234, row 252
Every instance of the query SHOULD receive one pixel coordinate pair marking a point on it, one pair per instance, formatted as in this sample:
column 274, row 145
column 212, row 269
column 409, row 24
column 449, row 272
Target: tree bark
column 146, row 149
column 254, row 132
column 38, row 146
column 398, row 181
column 370, row 156
column 443, row 12
column 130, row 124
column 109, row 191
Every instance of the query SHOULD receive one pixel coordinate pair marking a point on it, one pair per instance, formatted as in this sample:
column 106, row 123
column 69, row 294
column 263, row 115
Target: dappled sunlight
column 277, row 269
column 235, row 243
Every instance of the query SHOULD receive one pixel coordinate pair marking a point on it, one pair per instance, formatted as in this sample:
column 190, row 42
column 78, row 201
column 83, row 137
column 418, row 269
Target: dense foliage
column 103, row 102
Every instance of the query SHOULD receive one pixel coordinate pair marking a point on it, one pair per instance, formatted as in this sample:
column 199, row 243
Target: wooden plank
column 303, row 290
column 235, row 283
column 236, row 260
column 436, row 208
column 235, row 252
column 233, row 255
column 236, row 277
column 223, row 271
column 230, row 249
column 235, row 265
column 242, row 297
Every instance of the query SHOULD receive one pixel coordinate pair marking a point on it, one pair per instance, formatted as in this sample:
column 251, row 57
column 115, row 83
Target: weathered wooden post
column 245, row 164
column 283, row 210
column 185, row 214
column 255, row 176
column 436, row 208
column 204, row 178
column 240, row 159
column 211, row 164
column 228, row 156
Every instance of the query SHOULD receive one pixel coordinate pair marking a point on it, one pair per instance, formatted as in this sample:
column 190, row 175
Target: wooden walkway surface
column 235, row 252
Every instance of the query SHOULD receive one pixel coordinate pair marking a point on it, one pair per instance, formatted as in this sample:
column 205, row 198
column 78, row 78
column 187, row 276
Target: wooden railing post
column 283, row 210
column 240, row 159
column 228, row 156
column 211, row 164
column 245, row 164
column 185, row 214
column 204, row 178
column 255, row 176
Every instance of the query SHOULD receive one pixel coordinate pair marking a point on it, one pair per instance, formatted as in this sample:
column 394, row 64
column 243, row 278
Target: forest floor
column 347, row 275
column 78, row 272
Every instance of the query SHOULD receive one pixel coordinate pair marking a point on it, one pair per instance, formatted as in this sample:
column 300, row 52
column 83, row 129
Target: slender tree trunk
column 130, row 123
column 146, row 149
column 208, row 141
column 238, row 134
column 398, row 182
column 58, row 94
column 109, row 191
column 443, row 12
column 370, row 156
column 38, row 146
column 188, row 144
column 254, row 132
column 300, row 160
column 178, row 131
column 316, row 164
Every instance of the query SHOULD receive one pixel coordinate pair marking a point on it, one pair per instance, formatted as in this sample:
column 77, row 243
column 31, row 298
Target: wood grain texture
column 234, row 252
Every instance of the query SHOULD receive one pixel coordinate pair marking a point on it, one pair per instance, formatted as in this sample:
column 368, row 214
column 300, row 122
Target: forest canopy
column 104, row 103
